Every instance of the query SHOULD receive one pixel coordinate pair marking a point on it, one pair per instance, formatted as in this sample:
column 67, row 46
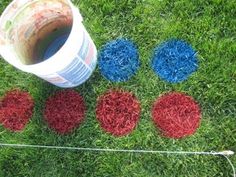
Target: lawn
column 209, row 26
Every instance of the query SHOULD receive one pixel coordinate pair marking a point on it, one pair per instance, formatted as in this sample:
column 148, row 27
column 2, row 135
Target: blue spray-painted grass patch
column 174, row 61
column 119, row 60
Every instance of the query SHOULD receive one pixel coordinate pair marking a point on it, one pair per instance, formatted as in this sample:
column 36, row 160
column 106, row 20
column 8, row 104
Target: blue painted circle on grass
column 119, row 60
column 174, row 61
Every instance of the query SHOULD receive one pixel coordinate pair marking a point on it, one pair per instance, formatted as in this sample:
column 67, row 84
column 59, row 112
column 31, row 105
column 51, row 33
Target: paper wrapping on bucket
column 79, row 69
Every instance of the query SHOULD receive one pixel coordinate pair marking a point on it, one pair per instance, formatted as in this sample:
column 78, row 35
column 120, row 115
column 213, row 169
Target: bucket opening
column 50, row 42
column 55, row 46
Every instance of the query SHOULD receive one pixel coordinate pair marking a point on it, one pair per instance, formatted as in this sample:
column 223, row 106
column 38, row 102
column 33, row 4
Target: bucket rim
column 30, row 68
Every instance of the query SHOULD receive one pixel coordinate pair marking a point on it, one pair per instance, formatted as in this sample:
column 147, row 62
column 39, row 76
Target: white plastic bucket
column 50, row 31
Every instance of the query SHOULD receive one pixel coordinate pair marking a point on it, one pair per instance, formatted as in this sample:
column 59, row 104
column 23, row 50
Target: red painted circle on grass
column 177, row 115
column 16, row 109
column 64, row 111
column 118, row 112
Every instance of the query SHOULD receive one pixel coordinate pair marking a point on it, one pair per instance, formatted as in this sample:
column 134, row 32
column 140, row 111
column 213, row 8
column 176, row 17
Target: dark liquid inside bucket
column 55, row 46
column 49, row 44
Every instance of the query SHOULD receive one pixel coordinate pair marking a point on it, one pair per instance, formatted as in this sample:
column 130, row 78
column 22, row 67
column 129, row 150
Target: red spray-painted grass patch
column 177, row 115
column 64, row 111
column 16, row 109
column 118, row 112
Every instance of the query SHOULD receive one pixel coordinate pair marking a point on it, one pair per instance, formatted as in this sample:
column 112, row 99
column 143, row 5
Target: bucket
column 47, row 38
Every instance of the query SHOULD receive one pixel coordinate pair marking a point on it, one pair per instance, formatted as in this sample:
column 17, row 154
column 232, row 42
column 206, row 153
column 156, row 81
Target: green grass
column 210, row 26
